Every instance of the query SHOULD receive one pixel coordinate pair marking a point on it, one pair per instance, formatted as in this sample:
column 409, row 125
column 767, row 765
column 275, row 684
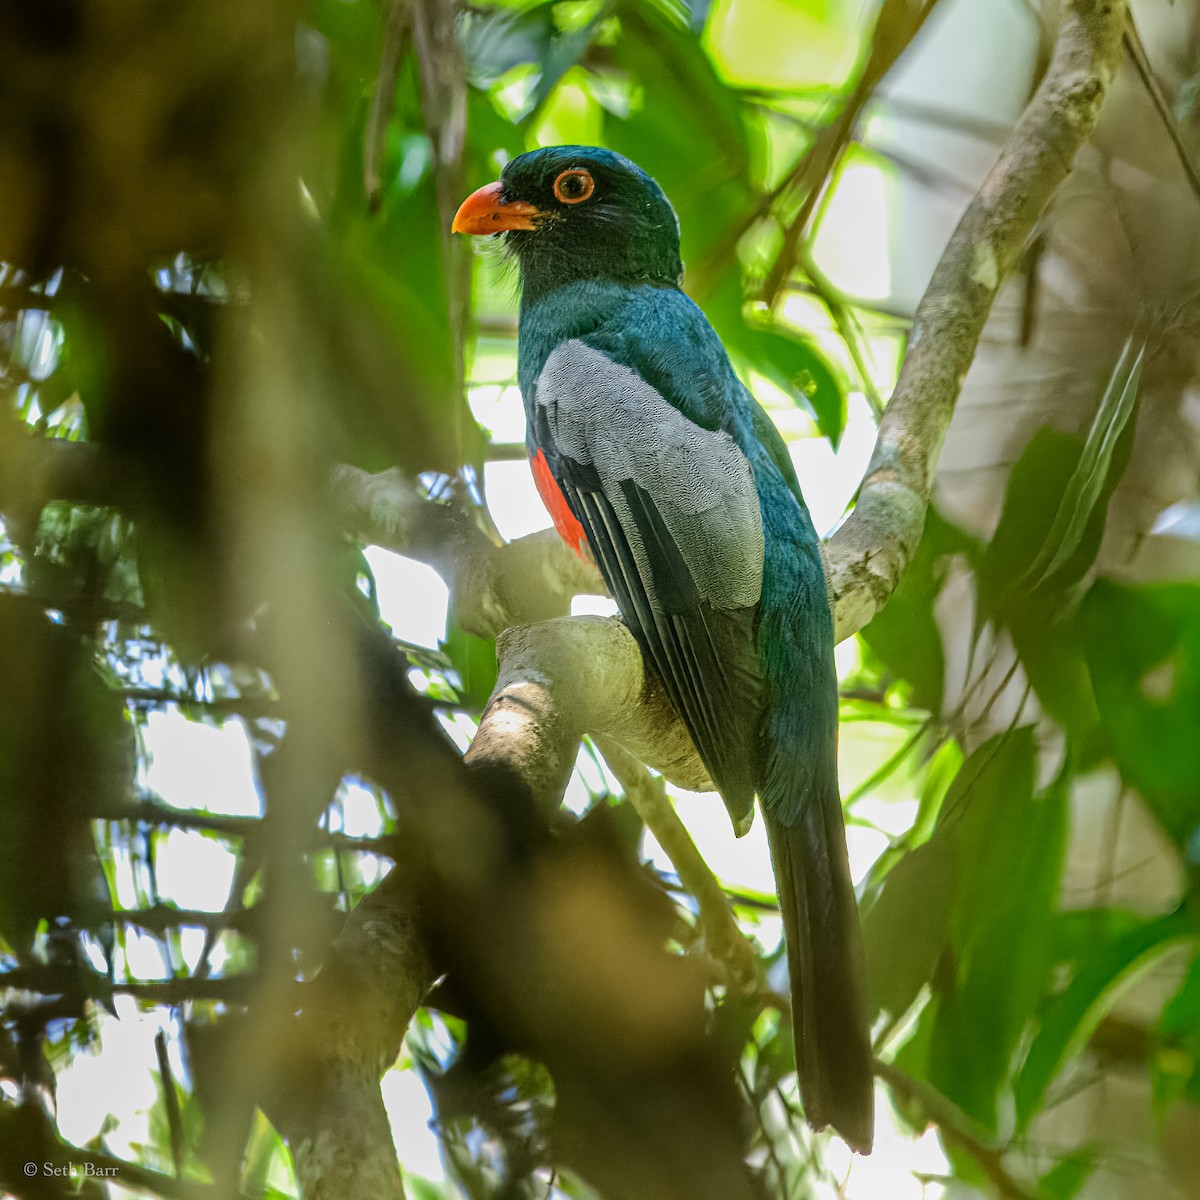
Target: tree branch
column 35, row 470
column 327, row 1101
column 869, row 553
column 396, row 25
column 561, row 679
column 29, row 1143
column 1141, row 63
column 491, row 586
column 555, row 954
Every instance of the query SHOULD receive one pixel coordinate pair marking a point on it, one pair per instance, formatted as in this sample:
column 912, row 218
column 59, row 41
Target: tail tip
column 855, row 1124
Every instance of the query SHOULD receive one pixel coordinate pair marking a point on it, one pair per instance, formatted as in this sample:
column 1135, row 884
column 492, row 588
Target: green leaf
column 495, row 40
column 1073, row 1016
column 905, row 931
column 1047, row 539
column 563, row 53
column 1050, row 646
column 1143, row 655
column 1066, row 1178
column 780, row 354
column 1010, row 847
column 939, row 776
column 373, row 322
column 686, row 126
column 474, row 659
column 1176, row 1065
column 1091, row 483
column 968, row 914
column 1055, row 504
column 1181, row 1014
column 423, row 1189
column 1036, row 485
column 793, row 364
column 1076, row 933
column 904, row 635
column 382, row 338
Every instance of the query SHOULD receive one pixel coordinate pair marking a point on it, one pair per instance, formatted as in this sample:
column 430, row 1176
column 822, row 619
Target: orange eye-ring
column 575, row 186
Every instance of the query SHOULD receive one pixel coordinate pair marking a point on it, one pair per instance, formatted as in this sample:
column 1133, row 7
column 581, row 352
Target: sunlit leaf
column 780, row 354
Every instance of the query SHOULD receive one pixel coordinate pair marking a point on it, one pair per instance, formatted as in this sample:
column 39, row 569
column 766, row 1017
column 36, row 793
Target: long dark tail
column 828, row 971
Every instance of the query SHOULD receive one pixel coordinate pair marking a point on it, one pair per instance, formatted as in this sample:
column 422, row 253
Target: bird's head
column 578, row 212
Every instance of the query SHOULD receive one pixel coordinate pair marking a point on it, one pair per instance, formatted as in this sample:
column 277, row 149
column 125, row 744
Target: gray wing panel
column 672, row 515
column 606, row 415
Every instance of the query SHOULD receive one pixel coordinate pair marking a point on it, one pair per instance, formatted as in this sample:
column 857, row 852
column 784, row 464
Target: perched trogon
column 654, row 459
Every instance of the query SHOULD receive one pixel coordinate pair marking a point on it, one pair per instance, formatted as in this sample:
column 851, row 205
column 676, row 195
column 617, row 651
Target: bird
column 656, row 462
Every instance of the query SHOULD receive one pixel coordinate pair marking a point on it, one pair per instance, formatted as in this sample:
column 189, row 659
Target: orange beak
column 484, row 212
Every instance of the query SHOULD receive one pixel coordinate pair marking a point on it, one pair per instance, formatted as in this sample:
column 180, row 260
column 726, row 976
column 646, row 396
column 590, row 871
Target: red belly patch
column 565, row 521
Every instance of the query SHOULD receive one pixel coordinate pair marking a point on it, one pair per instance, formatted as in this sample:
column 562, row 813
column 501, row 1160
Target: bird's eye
column 573, row 186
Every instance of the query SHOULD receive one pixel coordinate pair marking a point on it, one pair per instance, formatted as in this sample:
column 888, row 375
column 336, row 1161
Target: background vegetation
column 225, row 268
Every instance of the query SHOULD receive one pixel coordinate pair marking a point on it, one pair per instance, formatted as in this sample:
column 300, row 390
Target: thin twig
column 383, row 100
column 895, row 29
column 171, row 1101
column 885, row 769
column 1137, row 53
column 956, row 1127
column 847, row 327
column 723, row 937
column 131, row 1175
column 812, row 170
